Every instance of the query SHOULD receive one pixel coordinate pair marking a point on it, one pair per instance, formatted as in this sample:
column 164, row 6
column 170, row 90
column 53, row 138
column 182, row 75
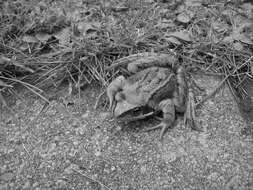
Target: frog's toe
column 190, row 116
column 162, row 125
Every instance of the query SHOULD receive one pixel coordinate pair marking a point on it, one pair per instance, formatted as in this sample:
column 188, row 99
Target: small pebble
column 104, row 115
column 26, row 185
column 6, row 176
column 113, row 168
column 85, row 115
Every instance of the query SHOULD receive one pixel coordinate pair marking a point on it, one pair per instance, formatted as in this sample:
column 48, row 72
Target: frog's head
column 126, row 111
column 122, row 106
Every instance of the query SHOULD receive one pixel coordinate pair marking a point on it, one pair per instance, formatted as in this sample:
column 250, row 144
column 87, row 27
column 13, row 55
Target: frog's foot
column 162, row 125
column 189, row 116
column 168, row 109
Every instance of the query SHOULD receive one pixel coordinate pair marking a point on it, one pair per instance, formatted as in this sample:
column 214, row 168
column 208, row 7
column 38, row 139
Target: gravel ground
column 77, row 147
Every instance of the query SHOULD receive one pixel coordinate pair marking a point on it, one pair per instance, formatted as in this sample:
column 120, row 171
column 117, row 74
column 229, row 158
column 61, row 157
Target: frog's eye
column 120, row 96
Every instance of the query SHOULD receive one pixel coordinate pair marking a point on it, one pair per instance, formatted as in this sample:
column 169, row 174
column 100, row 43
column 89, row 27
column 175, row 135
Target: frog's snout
column 122, row 107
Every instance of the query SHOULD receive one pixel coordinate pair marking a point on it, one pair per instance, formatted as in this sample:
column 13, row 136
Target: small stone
column 60, row 183
column 170, row 157
column 6, row 176
column 75, row 124
column 4, row 187
column 9, row 120
column 118, row 128
column 58, row 122
column 11, row 150
column 98, row 153
column 35, row 184
column 69, row 169
column 26, row 185
column 82, row 130
column 75, row 143
column 143, row 169
column 3, row 168
column 106, row 171
column 113, row 168
column 57, row 138
column 18, row 102
column 213, row 176
column 233, row 183
column 104, row 115
column 53, row 146
column 32, row 118
column 85, row 115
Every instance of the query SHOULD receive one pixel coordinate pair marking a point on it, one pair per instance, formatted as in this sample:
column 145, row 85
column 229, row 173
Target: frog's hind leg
column 148, row 60
column 168, row 109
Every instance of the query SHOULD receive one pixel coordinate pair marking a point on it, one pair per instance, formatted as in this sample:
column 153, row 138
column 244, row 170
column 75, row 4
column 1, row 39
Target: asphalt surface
column 70, row 145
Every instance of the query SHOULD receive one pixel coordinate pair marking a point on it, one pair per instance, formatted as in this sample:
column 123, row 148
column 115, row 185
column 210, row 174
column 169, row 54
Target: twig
column 94, row 180
column 221, row 83
column 14, row 49
column 26, row 150
column 212, row 93
column 98, row 99
column 3, row 103
column 29, row 86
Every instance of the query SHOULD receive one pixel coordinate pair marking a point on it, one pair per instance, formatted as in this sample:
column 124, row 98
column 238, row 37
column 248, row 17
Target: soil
column 70, row 145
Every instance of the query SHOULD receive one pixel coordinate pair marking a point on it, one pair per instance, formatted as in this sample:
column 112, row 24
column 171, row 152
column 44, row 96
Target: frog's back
column 151, row 85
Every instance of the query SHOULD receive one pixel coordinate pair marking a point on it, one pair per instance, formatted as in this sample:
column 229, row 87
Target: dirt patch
column 77, row 147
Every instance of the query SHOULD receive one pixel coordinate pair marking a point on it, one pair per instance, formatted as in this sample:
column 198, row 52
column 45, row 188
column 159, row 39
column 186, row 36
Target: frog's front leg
column 168, row 109
column 115, row 86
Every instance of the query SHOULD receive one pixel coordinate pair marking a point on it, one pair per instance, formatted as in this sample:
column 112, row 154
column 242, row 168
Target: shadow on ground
column 77, row 147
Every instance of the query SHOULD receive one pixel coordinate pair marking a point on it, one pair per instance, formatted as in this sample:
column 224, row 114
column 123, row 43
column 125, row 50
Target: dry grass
column 44, row 44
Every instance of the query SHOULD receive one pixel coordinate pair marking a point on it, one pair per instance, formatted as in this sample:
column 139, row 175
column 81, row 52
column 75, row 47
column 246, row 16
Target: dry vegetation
column 44, row 43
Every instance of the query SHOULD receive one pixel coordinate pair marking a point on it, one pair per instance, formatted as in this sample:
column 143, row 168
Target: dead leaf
column 43, row 37
column 244, row 39
column 2, row 83
column 120, row 9
column 238, row 37
column 64, row 36
column 4, row 60
column 185, row 17
column 228, row 39
column 30, row 39
column 173, row 40
column 193, row 3
column 238, row 46
column 165, row 23
column 88, row 27
column 182, row 35
column 219, row 26
column 248, row 7
column 17, row 64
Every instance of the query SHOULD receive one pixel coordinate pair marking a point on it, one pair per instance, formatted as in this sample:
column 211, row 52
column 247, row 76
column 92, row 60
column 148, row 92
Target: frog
column 154, row 82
